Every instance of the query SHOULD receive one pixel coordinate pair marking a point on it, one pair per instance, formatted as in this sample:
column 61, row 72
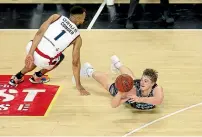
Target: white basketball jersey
column 58, row 36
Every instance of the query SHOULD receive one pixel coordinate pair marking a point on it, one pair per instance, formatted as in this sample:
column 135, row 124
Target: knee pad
column 61, row 58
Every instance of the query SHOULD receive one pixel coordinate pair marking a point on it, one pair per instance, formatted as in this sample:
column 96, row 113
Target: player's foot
column 87, row 70
column 115, row 64
column 14, row 81
column 36, row 80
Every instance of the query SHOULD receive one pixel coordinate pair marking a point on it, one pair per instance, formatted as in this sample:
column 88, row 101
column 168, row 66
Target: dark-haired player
column 45, row 50
column 146, row 93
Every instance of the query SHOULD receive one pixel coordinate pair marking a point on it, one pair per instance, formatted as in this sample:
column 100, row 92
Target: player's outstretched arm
column 157, row 99
column 121, row 97
column 76, row 65
column 118, row 99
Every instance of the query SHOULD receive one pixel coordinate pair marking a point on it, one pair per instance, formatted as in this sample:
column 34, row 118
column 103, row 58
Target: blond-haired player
column 146, row 93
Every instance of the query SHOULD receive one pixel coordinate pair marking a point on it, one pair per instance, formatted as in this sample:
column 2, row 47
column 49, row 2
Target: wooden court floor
column 176, row 54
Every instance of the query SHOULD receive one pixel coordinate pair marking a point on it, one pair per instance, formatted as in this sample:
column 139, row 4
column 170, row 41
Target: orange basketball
column 124, row 83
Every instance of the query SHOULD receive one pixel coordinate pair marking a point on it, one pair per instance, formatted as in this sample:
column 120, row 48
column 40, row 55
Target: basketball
column 124, row 83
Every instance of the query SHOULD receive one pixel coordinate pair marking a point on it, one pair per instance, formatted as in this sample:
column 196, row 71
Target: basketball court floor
column 178, row 62
column 61, row 111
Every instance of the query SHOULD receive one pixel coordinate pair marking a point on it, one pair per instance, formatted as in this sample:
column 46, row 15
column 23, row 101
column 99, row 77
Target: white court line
column 96, row 15
column 159, row 119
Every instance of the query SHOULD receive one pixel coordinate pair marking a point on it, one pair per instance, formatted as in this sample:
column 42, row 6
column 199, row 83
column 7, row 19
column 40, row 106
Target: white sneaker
column 86, row 71
column 115, row 64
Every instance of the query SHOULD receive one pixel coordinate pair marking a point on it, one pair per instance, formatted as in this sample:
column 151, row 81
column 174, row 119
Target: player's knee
column 106, row 86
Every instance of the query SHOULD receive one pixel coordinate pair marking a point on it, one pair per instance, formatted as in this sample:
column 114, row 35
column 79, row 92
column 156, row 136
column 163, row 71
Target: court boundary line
column 96, row 15
column 53, row 100
column 161, row 118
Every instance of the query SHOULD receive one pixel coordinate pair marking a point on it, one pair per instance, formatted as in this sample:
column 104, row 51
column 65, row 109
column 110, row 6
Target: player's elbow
column 159, row 99
column 157, row 102
column 114, row 105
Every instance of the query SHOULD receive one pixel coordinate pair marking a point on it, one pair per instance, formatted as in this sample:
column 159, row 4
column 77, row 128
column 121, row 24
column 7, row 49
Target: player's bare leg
column 118, row 66
column 87, row 70
column 25, row 70
column 101, row 78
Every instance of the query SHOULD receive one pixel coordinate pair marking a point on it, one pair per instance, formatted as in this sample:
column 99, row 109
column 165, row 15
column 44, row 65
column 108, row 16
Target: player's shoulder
column 56, row 16
column 158, row 88
column 78, row 38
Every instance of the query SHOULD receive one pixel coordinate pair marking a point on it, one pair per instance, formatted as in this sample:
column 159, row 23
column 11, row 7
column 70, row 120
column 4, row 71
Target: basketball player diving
column 145, row 94
column 45, row 51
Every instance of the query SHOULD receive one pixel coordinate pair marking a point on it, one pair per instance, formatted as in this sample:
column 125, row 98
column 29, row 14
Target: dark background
column 31, row 16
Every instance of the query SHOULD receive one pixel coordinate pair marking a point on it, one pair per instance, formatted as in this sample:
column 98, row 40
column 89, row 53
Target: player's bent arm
column 121, row 98
column 76, row 64
column 117, row 100
column 38, row 36
column 157, row 99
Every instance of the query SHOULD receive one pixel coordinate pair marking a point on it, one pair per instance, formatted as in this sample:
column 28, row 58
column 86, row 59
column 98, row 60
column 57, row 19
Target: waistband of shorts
column 46, row 56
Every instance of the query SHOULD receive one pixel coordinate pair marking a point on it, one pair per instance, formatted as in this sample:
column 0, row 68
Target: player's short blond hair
column 153, row 74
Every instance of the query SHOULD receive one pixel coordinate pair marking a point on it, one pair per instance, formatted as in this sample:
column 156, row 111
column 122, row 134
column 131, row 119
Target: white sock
column 90, row 72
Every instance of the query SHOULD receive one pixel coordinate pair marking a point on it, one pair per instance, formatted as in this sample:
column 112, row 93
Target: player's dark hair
column 77, row 10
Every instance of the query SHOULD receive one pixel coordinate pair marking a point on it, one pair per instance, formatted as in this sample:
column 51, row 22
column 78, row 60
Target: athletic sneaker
column 14, row 81
column 87, row 70
column 36, row 80
column 115, row 64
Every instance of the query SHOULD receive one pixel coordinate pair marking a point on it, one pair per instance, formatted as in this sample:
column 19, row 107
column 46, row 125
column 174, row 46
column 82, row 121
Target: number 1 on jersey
column 60, row 35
